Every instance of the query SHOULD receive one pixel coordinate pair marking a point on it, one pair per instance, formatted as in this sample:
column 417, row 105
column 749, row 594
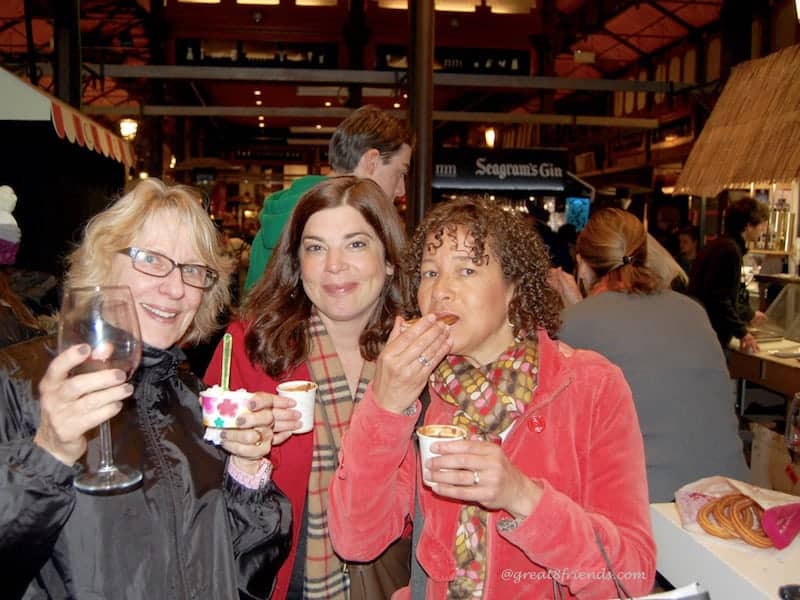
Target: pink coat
column 579, row 439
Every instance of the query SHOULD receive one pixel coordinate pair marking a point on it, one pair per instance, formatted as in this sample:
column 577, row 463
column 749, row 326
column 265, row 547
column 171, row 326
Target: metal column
column 67, row 36
column 420, row 109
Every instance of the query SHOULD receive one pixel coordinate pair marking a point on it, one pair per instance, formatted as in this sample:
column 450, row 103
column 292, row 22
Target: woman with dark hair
column 321, row 312
column 552, row 468
column 665, row 346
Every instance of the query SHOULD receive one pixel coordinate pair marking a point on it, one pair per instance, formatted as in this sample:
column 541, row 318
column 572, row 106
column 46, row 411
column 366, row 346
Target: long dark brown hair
column 519, row 250
column 277, row 308
column 15, row 303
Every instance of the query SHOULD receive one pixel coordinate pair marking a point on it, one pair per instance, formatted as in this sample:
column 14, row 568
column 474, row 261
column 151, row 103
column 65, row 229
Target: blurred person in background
column 688, row 240
column 17, row 323
column 664, row 344
column 716, row 278
column 369, row 143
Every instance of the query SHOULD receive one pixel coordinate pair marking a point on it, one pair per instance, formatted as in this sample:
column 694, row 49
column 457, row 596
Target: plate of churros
column 735, row 512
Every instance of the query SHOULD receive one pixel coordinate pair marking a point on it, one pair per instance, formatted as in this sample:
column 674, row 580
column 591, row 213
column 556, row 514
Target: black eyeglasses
column 158, row 265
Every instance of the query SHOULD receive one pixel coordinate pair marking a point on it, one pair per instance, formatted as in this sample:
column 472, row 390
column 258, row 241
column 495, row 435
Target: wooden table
column 780, row 375
column 726, row 572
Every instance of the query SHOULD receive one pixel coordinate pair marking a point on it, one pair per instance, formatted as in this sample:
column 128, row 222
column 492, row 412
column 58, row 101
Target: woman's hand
column 480, row 472
column 408, row 359
column 566, row 286
column 286, row 419
column 253, row 440
column 71, row 406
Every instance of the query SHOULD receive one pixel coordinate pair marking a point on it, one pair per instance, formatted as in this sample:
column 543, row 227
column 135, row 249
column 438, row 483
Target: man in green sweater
column 369, row 143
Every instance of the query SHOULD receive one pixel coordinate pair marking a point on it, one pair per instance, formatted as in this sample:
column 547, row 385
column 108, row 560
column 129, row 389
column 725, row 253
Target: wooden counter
column 780, row 375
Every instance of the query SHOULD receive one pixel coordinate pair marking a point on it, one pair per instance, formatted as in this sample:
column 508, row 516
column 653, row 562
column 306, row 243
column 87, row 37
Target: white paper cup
column 430, row 434
column 304, row 394
column 221, row 407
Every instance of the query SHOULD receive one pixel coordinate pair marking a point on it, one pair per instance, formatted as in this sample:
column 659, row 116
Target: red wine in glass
column 104, row 317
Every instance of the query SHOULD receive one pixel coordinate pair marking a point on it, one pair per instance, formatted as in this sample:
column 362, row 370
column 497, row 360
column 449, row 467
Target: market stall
column 749, row 146
column 63, row 167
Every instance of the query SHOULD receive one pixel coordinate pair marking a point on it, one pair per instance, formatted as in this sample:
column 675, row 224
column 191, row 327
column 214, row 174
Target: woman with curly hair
column 552, row 473
column 321, row 312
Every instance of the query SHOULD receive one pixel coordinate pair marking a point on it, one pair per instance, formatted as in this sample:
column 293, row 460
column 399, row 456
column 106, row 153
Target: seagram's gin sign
column 501, row 170
column 523, row 169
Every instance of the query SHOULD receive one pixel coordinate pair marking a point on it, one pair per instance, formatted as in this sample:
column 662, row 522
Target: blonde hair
column 114, row 229
column 664, row 266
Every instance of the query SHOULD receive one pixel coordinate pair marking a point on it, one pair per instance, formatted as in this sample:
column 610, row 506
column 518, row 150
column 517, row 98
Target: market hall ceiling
column 581, row 39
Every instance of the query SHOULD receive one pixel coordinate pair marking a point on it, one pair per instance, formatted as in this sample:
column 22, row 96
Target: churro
column 734, row 516
column 445, row 318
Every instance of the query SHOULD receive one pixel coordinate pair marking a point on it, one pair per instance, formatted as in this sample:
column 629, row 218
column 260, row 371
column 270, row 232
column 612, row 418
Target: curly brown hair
column 277, row 307
column 518, row 248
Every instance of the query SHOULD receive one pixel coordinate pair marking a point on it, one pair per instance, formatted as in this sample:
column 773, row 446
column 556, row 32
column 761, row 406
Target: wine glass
column 105, row 318
column 793, row 427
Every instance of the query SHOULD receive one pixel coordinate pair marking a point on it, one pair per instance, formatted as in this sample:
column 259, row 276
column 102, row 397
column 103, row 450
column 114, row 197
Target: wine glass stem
column 106, row 454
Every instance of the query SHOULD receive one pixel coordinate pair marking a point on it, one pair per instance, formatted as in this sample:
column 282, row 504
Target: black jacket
column 189, row 531
column 716, row 281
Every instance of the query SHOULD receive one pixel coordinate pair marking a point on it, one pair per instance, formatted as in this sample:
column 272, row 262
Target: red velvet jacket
column 291, row 460
column 579, row 439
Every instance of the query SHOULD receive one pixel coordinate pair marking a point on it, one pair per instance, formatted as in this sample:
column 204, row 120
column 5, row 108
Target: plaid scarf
column 324, row 576
column 488, row 399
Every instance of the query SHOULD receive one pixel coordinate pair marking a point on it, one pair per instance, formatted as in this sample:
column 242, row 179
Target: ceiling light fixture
column 128, row 128
column 262, row 125
column 491, row 135
column 317, row 126
column 396, row 105
column 327, row 102
column 260, row 117
column 258, row 103
column 257, row 93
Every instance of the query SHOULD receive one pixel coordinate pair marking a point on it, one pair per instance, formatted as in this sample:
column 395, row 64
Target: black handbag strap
column 419, row 579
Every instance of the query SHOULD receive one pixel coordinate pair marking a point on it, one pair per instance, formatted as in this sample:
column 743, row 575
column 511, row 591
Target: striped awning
column 24, row 102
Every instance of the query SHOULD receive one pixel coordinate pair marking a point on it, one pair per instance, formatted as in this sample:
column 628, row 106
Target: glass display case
column 783, row 314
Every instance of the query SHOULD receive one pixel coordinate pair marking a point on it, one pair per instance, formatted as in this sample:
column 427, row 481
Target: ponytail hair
column 614, row 245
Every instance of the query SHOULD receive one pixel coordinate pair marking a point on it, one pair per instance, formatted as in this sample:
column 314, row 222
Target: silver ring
column 423, row 361
column 476, row 478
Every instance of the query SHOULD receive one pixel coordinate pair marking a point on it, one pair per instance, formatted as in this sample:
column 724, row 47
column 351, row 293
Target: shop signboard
column 532, row 169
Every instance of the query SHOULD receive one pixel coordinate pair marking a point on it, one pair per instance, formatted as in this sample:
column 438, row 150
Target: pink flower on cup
column 227, row 408
column 208, row 403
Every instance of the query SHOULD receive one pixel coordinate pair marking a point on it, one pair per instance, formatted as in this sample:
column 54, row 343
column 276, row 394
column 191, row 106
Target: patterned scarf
column 488, row 400
column 324, row 577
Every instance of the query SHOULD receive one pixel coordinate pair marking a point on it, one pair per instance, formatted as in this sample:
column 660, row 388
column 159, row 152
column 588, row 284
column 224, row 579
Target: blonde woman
column 205, row 522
